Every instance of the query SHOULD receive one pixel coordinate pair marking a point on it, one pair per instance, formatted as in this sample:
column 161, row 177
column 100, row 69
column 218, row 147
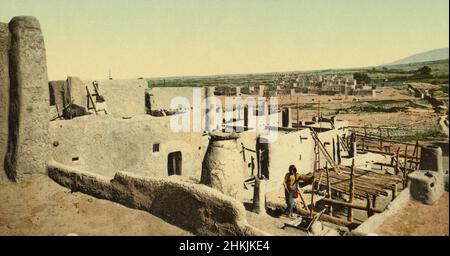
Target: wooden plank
column 348, row 204
column 325, row 217
column 368, row 181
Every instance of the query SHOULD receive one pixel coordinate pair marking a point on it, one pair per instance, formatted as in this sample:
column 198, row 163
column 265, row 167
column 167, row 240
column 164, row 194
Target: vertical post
column 338, row 150
column 318, row 112
column 413, row 157
column 316, row 167
column 352, row 192
column 243, row 151
column 374, row 201
column 394, row 192
column 259, row 196
column 252, row 165
column 259, row 163
column 298, row 121
column 329, row 192
column 320, row 176
column 405, row 171
column 397, row 158
column 364, row 140
column 334, row 150
column 381, row 139
column 312, row 194
column 417, row 155
column 369, row 206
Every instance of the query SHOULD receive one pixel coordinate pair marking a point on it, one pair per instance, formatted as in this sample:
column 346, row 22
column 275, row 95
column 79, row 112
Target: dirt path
column 42, row 207
column 418, row 219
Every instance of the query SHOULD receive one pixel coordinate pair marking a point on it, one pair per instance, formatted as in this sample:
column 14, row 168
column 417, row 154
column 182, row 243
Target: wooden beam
column 325, row 217
column 376, row 139
column 347, row 204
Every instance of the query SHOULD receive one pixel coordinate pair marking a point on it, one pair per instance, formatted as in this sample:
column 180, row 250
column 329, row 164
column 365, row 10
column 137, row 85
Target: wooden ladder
column 343, row 144
column 321, row 148
column 91, row 100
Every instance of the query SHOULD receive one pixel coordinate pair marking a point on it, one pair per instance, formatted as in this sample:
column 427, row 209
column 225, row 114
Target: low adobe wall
column 163, row 96
column 196, row 208
column 106, row 145
column 123, row 97
column 371, row 225
column 4, row 95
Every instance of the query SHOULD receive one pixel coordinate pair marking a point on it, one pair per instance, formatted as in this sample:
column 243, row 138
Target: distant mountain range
column 436, row 54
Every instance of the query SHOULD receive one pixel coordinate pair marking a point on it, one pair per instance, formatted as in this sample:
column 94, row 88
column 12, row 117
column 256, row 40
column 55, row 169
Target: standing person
column 290, row 184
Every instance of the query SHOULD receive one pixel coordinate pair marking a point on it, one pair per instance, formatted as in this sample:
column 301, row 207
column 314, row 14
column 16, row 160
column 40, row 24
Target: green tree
column 361, row 78
column 424, row 71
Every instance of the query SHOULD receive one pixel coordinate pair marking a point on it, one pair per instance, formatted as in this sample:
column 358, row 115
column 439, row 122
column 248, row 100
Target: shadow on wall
column 212, row 213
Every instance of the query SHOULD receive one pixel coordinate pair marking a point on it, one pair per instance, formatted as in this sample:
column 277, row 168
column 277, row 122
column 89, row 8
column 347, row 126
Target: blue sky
column 201, row 37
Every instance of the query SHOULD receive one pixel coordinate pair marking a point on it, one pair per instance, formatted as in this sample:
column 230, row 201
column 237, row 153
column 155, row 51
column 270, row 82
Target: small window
column 155, row 148
column 74, row 159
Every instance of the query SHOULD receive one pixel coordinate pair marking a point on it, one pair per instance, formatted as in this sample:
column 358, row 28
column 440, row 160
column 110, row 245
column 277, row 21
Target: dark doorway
column 285, row 118
column 174, row 161
column 262, row 155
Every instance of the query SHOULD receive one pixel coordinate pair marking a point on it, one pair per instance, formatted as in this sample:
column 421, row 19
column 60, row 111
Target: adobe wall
column 248, row 139
column 4, row 95
column 59, row 94
column 162, row 96
column 281, row 155
column 77, row 91
column 328, row 138
column 29, row 100
column 124, row 97
column 106, row 145
column 213, row 213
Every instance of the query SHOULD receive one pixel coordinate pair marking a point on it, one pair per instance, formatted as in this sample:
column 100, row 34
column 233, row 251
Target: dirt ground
column 42, row 207
column 418, row 219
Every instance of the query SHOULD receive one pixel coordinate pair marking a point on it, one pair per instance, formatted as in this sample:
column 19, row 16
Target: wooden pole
column 316, row 167
column 334, row 150
column 351, row 192
column 405, row 172
column 298, row 121
column 394, row 192
column 311, row 210
column 369, row 206
column 338, row 150
column 397, row 161
column 325, row 217
column 300, row 194
column 381, row 139
column 259, row 163
column 329, row 191
column 364, row 139
column 417, row 155
column 319, row 116
column 354, row 206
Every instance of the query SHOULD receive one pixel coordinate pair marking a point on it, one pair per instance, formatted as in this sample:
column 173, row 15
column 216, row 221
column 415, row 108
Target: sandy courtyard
column 43, row 207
